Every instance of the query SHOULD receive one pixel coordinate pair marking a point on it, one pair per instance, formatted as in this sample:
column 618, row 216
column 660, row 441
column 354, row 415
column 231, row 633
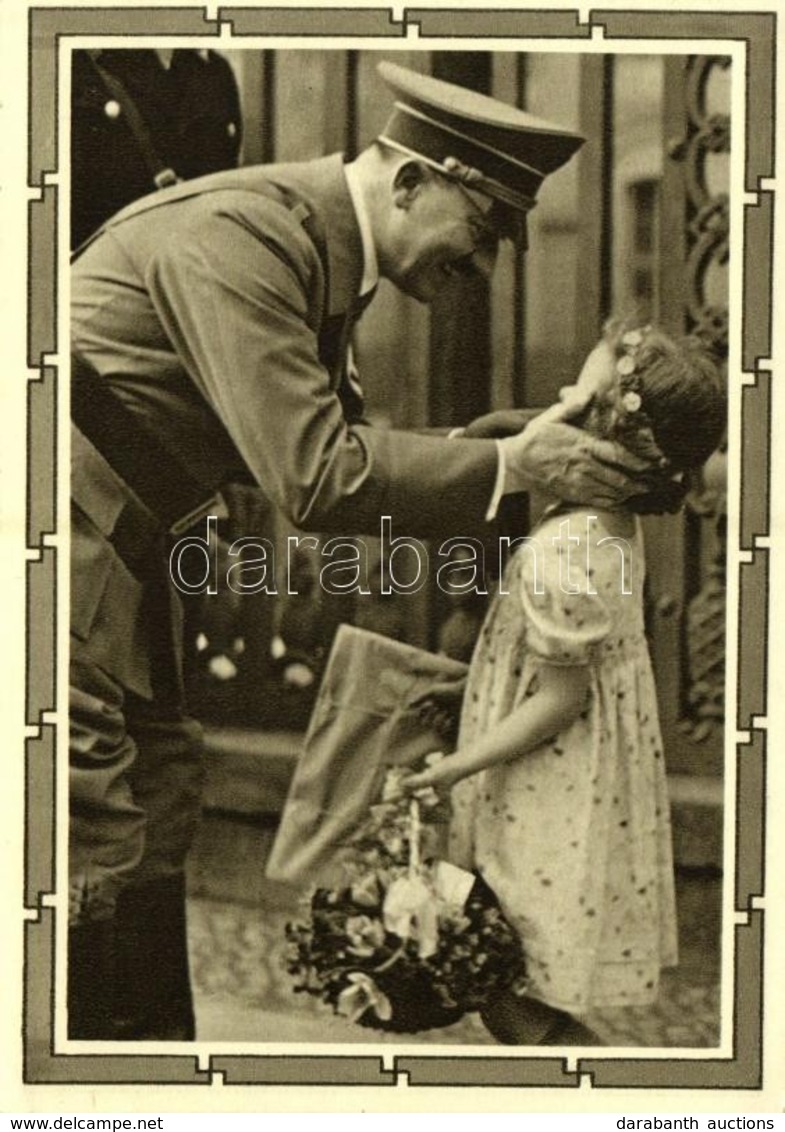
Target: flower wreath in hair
column 633, row 426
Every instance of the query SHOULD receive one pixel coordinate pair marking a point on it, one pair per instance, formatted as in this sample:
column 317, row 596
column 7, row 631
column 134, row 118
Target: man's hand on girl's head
column 554, row 456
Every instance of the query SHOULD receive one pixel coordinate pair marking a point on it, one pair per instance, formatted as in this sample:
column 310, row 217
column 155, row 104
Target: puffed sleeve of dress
column 567, row 597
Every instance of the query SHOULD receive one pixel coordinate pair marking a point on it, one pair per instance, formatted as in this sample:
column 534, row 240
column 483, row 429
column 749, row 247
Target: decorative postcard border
column 743, row 1070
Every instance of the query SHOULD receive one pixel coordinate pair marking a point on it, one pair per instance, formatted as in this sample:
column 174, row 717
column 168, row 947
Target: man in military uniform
column 210, row 330
column 142, row 117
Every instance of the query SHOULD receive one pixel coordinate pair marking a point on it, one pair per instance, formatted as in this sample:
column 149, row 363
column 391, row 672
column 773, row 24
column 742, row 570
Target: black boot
column 128, row 977
column 91, row 981
column 153, row 991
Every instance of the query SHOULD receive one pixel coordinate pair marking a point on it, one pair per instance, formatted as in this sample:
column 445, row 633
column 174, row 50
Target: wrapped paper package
column 362, row 724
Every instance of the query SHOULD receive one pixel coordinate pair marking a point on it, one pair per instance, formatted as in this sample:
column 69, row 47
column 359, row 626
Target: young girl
column 560, row 798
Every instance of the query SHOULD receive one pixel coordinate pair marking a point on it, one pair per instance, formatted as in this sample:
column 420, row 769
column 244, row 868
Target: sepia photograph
column 398, row 534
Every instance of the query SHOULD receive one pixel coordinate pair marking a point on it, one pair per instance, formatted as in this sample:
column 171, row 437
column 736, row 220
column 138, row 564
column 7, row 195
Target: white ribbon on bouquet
column 412, row 903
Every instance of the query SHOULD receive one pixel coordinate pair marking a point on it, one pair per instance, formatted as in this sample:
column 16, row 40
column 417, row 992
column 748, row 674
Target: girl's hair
column 666, row 405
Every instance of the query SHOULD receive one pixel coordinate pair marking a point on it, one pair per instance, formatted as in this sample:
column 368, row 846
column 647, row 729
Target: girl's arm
column 558, row 701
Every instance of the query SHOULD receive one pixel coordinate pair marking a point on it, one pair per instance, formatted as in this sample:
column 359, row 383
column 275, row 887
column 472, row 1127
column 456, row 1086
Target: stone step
column 249, row 771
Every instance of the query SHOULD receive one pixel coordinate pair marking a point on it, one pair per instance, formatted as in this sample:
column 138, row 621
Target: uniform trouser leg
column 135, row 789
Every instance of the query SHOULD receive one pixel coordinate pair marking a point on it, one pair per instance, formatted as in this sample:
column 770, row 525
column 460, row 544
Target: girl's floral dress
column 574, row 837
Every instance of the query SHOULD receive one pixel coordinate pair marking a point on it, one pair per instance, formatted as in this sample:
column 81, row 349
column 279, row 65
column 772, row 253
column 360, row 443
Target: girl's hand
column 439, row 777
column 501, row 422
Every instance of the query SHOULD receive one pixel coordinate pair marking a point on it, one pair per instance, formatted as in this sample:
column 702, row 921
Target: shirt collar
column 370, row 276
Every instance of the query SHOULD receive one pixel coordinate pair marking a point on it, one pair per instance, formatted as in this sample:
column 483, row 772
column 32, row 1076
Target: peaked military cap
column 489, row 145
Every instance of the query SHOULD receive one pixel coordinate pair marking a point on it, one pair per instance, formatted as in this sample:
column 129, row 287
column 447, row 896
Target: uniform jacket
column 219, row 310
column 191, row 111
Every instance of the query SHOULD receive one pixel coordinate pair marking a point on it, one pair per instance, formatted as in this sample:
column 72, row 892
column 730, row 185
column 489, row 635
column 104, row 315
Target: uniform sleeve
column 566, row 617
column 236, row 293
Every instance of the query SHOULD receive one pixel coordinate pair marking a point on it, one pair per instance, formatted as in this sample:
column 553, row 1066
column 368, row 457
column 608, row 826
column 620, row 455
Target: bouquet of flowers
column 409, row 942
